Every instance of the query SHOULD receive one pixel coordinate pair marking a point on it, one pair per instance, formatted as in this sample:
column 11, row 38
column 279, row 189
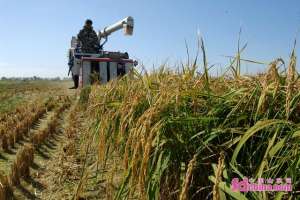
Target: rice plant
column 182, row 135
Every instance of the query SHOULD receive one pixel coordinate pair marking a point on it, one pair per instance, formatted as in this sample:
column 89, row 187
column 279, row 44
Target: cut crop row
column 38, row 138
column 25, row 156
column 18, row 125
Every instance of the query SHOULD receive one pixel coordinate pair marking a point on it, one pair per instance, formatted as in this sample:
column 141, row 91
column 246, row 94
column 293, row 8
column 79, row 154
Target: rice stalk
column 216, row 194
column 188, row 176
column 290, row 81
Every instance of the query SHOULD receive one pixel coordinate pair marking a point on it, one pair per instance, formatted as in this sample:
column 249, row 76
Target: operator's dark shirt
column 88, row 40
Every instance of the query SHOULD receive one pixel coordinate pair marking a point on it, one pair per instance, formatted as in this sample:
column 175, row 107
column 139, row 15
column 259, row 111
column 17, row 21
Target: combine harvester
column 105, row 64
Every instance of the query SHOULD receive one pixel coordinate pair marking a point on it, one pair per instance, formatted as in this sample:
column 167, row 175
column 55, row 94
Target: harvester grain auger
column 106, row 65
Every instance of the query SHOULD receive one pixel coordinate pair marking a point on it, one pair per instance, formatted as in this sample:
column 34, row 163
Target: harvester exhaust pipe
column 127, row 24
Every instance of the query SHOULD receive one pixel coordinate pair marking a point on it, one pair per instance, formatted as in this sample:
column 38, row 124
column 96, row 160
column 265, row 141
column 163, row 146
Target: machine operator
column 88, row 39
column 88, row 43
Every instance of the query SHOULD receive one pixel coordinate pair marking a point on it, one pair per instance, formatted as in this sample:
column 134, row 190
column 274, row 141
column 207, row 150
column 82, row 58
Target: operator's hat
column 88, row 21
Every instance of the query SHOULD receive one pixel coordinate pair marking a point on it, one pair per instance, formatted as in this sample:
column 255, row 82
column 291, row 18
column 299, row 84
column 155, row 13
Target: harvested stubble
column 73, row 123
column 25, row 156
column 38, row 138
column 5, row 188
column 158, row 122
column 21, row 166
column 35, row 139
column 15, row 175
column 4, row 143
column 11, row 140
column 18, row 123
column 29, row 154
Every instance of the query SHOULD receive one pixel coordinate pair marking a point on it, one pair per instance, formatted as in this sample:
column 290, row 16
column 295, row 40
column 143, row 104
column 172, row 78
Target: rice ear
column 291, row 79
column 216, row 194
column 188, row 176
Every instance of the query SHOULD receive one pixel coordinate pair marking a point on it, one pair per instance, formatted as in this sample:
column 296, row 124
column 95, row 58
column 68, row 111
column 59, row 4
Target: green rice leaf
column 254, row 129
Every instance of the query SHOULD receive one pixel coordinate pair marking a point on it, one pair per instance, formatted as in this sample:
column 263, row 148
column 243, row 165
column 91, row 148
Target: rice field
column 166, row 134
column 179, row 134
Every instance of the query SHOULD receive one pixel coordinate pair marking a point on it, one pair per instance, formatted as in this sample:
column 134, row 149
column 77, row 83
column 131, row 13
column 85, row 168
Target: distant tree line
column 34, row 78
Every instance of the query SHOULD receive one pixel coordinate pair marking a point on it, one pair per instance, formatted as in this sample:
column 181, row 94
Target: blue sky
column 35, row 35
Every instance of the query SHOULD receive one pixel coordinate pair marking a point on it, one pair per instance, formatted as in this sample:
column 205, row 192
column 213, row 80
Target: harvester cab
column 104, row 65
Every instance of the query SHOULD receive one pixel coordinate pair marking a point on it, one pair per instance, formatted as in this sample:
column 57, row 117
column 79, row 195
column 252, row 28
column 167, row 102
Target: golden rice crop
column 158, row 122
